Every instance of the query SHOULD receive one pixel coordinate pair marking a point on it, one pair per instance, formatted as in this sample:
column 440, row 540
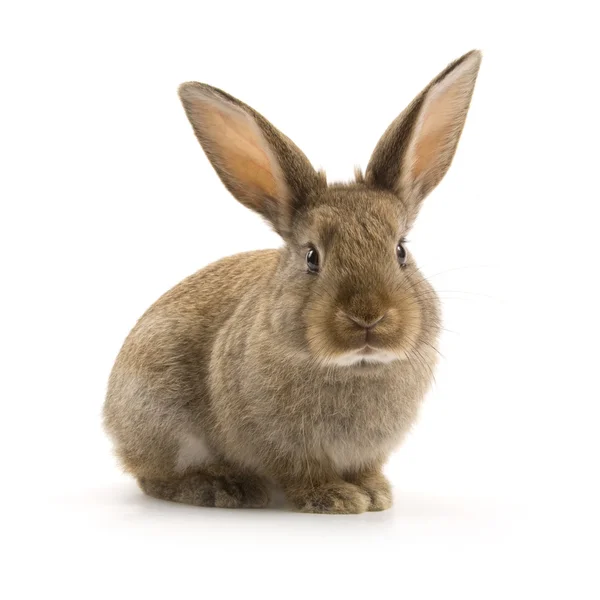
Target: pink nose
column 365, row 324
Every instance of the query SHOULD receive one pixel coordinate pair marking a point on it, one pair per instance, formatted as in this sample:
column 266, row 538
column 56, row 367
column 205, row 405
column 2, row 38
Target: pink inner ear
column 436, row 131
column 440, row 124
column 238, row 146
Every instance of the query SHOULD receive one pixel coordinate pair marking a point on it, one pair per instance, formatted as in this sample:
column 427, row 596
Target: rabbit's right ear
column 261, row 167
column 416, row 150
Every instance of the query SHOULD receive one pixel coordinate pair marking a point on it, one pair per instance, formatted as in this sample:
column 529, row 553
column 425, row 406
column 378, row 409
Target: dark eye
column 401, row 254
column 312, row 260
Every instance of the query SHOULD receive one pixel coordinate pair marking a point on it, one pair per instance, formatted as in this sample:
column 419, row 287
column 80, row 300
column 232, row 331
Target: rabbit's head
column 350, row 288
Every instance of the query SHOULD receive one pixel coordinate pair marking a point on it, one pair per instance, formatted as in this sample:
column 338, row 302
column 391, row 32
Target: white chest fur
column 193, row 452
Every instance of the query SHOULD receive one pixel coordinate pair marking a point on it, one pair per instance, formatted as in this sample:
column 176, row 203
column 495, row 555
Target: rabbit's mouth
column 366, row 350
column 366, row 355
column 370, row 351
column 372, row 354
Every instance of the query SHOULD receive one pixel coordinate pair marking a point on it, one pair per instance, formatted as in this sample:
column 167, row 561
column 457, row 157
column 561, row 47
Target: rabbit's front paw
column 377, row 487
column 380, row 494
column 333, row 498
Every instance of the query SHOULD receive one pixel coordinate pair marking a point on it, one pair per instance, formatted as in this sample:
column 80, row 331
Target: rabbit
column 299, row 368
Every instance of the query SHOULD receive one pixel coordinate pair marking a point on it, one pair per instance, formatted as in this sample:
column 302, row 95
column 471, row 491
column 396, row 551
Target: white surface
column 107, row 201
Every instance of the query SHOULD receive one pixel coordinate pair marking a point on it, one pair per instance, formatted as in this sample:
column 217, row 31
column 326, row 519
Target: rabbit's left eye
column 312, row 260
column 401, row 253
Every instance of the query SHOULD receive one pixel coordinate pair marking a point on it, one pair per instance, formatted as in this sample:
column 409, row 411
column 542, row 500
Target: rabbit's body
column 297, row 366
column 180, row 397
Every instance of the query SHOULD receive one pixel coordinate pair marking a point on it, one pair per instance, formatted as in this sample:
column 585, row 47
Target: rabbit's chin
column 362, row 357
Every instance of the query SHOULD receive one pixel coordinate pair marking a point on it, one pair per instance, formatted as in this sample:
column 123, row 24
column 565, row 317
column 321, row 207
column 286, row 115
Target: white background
column 107, row 201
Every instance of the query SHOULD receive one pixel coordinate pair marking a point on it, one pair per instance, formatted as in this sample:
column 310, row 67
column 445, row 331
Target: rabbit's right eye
column 312, row 260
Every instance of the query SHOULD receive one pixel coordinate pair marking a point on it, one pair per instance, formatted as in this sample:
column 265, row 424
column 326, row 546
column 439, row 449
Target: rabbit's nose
column 365, row 323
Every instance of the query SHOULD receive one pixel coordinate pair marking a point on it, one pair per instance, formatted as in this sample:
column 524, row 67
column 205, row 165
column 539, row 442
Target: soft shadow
column 127, row 498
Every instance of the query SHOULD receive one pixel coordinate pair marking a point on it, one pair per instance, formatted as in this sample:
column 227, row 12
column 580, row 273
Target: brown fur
column 236, row 378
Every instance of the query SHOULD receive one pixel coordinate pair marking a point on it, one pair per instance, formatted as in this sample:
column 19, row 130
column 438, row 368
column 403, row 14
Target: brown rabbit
column 303, row 366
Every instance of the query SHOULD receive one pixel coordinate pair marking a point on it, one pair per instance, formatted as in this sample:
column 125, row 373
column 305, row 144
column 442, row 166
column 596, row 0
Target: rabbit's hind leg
column 212, row 486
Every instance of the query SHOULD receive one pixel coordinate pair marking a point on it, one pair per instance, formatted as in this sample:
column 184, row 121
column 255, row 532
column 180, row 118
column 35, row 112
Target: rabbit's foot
column 332, row 498
column 375, row 484
column 203, row 489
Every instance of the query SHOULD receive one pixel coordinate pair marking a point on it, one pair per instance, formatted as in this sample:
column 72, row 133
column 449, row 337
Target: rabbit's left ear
column 416, row 150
